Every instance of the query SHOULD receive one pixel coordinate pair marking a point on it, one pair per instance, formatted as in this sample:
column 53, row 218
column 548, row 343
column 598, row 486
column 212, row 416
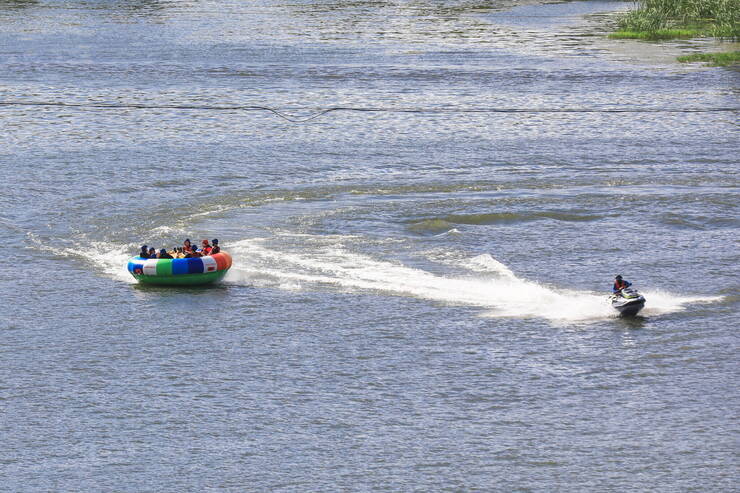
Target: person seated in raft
column 186, row 246
column 620, row 284
column 163, row 254
column 193, row 253
column 152, row 253
column 144, row 253
column 178, row 253
column 215, row 248
column 206, row 248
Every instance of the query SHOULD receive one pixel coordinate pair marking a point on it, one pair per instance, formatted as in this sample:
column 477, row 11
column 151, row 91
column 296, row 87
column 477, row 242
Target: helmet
column 618, row 277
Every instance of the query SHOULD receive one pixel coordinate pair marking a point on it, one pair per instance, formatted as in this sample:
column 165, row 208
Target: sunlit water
column 418, row 297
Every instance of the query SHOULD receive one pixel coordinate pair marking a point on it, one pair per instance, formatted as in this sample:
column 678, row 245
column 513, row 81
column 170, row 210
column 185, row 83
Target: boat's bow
column 628, row 302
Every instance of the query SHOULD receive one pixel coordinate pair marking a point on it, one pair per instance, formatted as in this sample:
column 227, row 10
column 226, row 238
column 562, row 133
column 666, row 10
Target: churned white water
column 501, row 293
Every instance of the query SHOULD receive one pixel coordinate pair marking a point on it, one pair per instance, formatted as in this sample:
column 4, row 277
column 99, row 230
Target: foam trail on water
column 451, row 232
column 499, row 292
column 486, row 263
column 108, row 258
column 661, row 302
column 494, row 288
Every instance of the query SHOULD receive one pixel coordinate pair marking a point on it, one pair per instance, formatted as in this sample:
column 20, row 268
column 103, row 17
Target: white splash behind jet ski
column 627, row 302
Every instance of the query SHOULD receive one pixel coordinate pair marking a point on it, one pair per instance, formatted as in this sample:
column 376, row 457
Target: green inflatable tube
column 180, row 271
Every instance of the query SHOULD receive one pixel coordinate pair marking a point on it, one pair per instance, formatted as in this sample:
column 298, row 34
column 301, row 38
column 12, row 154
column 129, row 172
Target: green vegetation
column 714, row 59
column 669, row 19
column 658, row 34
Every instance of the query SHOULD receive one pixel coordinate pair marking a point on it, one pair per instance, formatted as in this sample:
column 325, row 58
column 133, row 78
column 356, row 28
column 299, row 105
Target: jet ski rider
column 620, row 284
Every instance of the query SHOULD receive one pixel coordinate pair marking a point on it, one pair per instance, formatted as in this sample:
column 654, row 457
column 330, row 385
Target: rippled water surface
column 426, row 203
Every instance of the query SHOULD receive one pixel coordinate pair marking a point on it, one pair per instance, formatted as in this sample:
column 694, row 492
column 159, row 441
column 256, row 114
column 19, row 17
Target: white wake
column 491, row 285
column 105, row 257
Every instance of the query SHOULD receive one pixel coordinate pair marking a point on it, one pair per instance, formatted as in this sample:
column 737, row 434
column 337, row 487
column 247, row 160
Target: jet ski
column 627, row 302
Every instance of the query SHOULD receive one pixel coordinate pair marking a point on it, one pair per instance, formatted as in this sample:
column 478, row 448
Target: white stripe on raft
column 150, row 267
column 209, row 264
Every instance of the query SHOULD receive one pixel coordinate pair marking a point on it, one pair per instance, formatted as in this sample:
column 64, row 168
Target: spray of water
column 107, row 258
column 112, row 259
column 491, row 285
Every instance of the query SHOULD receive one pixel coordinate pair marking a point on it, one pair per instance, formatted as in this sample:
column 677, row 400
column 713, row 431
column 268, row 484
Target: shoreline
column 658, row 22
column 597, row 21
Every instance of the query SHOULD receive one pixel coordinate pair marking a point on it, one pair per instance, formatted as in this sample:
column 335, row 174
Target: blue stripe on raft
column 180, row 266
column 195, row 266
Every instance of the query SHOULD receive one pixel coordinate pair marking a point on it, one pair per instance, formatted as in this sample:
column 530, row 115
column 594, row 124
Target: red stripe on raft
column 223, row 260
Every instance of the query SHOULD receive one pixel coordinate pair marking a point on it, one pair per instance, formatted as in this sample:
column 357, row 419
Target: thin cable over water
column 369, row 109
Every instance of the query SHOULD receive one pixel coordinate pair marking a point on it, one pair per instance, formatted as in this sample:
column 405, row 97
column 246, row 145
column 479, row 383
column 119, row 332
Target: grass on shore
column 714, row 59
column 657, row 34
column 670, row 19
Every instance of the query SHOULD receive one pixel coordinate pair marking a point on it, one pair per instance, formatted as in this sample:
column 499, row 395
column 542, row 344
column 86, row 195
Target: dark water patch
column 431, row 226
column 17, row 4
column 168, row 183
column 499, row 218
column 696, row 222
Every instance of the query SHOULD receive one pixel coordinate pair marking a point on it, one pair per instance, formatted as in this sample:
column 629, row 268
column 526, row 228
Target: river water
column 417, row 301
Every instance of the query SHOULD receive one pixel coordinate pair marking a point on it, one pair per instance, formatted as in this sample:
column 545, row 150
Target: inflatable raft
column 180, row 271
